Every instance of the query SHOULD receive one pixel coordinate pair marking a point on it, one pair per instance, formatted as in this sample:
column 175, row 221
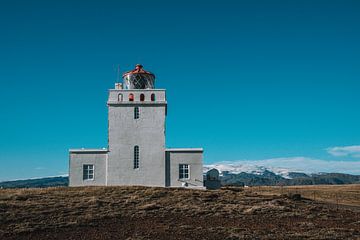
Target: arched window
column 136, row 112
column 142, row 97
column 153, row 97
column 120, row 97
column 136, row 157
column 131, row 97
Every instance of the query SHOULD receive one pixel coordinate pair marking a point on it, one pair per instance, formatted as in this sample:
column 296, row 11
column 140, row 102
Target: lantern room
column 139, row 79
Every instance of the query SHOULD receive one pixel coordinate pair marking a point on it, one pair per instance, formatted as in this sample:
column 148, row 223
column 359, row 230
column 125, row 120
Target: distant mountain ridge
column 36, row 182
column 255, row 176
column 234, row 168
column 271, row 179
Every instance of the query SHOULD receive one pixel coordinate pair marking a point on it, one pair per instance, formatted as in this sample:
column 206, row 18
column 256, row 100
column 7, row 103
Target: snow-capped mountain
column 236, row 168
column 241, row 173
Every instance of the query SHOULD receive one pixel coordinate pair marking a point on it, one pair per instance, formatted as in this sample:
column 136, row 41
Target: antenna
column 118, row 73
column 118, row 85
column 117, row 70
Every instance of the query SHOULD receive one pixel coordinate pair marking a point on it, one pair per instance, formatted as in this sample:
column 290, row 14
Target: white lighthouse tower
column 136, row 153
column 137, row 131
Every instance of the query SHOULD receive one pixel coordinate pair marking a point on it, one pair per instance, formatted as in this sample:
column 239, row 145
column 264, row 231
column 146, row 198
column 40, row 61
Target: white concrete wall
column 114, row 95
column 115, row 165
column 191, row 157
column 147, row 132
column 78, row 159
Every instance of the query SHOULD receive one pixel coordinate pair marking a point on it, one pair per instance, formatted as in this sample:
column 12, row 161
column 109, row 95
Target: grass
column 176, row 213
column 336, row 194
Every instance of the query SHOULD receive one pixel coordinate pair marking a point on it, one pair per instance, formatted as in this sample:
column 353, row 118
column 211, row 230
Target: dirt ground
column 172, row 213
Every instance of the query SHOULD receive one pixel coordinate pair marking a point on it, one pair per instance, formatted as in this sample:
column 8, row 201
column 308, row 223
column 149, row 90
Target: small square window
column 184, row 171
column 88, row 172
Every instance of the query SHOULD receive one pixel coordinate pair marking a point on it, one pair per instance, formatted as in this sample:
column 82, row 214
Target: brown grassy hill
column 163, row 213
column 336, row 194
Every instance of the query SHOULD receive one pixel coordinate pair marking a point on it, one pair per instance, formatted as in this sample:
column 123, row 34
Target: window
column 120, row 97
column 136, row 157
column 88, row 172
column 184, row 171
column 153, row 97
column 136, row 113
column 142, row 97
column 131, row 97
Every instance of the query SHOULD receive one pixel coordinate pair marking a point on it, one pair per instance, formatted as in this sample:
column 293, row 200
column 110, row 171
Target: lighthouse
column 136, row 152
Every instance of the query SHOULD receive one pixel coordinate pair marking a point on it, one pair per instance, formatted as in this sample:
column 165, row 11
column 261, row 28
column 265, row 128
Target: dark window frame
column 88, row 172
column 184, row 171
column 136, row 112
column 136, row 157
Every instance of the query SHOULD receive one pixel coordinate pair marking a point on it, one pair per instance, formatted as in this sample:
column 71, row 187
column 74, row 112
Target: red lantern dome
column 139, row 78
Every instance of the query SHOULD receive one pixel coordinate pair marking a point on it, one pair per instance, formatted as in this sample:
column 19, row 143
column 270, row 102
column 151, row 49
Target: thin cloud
column 350, row 151
column 40, row 168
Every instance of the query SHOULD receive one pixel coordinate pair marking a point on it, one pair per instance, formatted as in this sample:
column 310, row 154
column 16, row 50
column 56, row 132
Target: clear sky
column 246, row 80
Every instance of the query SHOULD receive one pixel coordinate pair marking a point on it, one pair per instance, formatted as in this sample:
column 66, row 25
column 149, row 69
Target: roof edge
column 184, row 149
column 81, row 150
column 138, row 90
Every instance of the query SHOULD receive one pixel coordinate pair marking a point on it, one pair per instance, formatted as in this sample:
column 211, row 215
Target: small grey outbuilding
column 212, row 179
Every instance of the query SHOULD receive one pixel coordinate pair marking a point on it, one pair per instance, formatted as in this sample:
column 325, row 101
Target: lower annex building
column 136, row 153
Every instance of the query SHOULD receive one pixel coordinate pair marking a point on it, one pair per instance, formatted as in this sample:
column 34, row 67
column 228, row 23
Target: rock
column 294, row 196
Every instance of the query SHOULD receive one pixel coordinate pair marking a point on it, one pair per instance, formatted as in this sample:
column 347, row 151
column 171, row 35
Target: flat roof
column 81, row 150
column 84, row 150
column 184, row 149
column 139, row 90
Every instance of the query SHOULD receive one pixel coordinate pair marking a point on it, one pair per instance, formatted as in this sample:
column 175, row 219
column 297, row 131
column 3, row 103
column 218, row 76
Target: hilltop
column 176, row 213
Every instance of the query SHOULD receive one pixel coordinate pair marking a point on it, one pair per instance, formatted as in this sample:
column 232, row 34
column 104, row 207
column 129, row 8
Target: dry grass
column 163, row 213
column 336, row 194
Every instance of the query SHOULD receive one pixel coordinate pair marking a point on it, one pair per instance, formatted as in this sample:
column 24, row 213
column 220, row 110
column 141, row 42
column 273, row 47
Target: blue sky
column 245, row 80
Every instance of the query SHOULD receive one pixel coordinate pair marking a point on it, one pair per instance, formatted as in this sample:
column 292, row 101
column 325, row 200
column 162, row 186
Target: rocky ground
column 163, row 213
